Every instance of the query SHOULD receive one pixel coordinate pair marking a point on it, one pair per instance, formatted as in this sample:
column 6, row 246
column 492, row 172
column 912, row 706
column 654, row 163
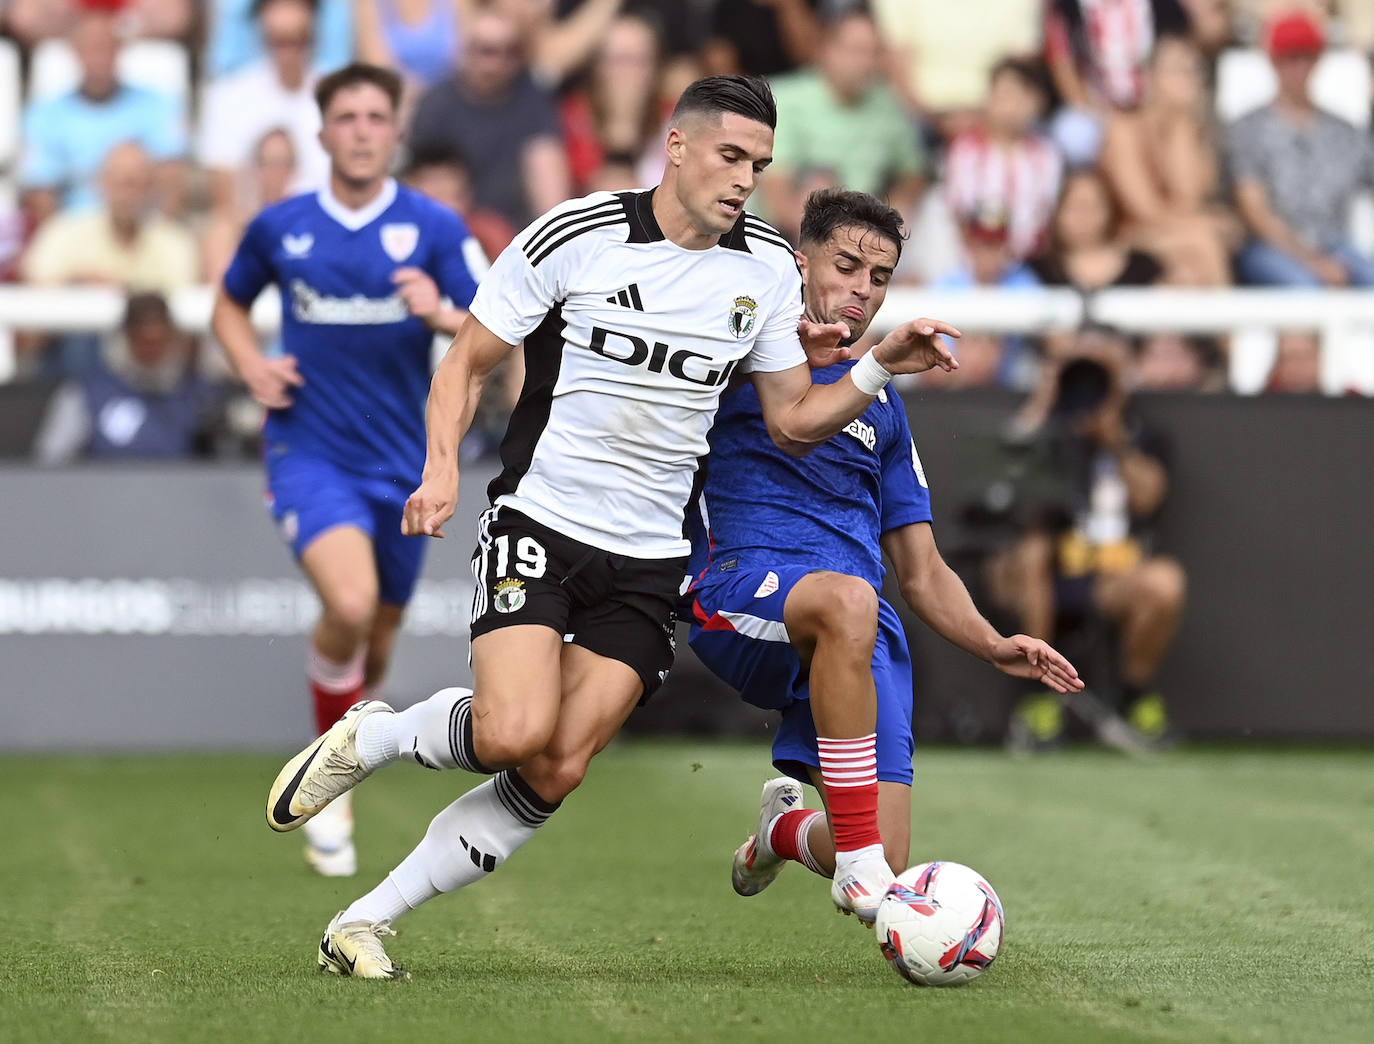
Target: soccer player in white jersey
column 787, row 560
column 363, row 266
column 635, row 309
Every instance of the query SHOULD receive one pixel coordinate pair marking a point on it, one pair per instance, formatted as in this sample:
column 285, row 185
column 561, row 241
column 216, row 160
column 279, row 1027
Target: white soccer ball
column 940, row 924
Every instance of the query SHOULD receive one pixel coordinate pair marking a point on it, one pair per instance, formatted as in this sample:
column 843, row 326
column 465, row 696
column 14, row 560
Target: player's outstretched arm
column 799, row 414
column 268, row 380
column 453, row 397
column 937, row 595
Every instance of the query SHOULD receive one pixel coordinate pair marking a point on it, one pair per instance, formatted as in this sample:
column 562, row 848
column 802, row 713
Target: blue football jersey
column 760, row 507
column 364, row 357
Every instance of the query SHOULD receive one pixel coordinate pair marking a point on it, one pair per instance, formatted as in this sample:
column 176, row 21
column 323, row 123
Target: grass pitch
column 1210, row 896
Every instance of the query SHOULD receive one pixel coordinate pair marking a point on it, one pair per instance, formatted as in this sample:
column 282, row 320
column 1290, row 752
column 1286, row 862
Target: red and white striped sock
column 334, row 687
column 849, row 768
column 788, row 834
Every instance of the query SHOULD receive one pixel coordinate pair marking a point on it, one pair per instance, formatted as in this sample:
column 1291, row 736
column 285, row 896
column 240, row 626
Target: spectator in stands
column 988, row 261
column 1172, row 362
column 1086, row 249
column 494, row 113
column 67, row 138
column 841, row 115
column 943, row 53
column 1097, row 51
column 1085, row 547
column 1162, row 165
column 124, row 243
column 1003, row 164
column 233, row 40
column 1296, row 170
column 442, row 174
column 267, row 181
column 276, row 91
column 557, row 47
column 762, row 37
column 143, row 401
column 417, row 38
column 1297, row 366
column 31, row 21
column 617, row 116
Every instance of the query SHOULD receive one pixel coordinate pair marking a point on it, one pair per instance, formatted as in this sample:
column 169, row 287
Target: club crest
column 742, row 315
column 297, row 246
column 399, row 241
column 509, row 595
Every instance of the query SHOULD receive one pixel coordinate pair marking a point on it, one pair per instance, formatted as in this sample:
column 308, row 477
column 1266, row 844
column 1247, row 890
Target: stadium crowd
column 1063, row 143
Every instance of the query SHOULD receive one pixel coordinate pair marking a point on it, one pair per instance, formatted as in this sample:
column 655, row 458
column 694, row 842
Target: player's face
column 360, row 133
column 847, row 278
column 718, row 168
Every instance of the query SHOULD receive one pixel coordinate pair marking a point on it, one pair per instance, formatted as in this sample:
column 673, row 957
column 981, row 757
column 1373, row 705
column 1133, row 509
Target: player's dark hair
column 747, row 96
column 434, row 154
column 352, row 75
column 829, row 209
column 258, row 5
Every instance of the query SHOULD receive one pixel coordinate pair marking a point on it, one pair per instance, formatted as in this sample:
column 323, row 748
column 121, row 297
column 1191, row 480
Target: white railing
column 1344, row 319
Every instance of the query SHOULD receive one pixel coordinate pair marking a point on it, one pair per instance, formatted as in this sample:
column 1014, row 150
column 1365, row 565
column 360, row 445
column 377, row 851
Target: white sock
column 859, row 855
column 465, row 842
column 434, row 733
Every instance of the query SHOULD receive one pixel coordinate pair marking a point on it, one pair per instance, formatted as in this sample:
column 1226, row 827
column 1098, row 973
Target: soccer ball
column 940, row 924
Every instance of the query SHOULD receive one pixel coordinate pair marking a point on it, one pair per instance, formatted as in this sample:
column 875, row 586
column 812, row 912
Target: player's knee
column 352, row 610
column 509, row 738
column 1164, row 584
column 561, row 777
column 849, row 603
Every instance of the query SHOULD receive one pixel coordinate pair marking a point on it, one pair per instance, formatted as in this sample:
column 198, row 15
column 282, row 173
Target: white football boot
column 329, row 839
column 355, row 949
column 859, row 887
column 330, row 766
column 756, row 866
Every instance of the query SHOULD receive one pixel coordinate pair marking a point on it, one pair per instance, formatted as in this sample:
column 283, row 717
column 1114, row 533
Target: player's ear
column 677, row 142
column 801, row 263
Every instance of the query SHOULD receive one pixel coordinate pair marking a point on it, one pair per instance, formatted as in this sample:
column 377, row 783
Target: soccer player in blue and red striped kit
column 363, row 267
column 787, row 552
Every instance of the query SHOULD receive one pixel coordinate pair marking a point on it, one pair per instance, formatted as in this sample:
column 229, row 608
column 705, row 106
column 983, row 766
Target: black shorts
column 615, row 606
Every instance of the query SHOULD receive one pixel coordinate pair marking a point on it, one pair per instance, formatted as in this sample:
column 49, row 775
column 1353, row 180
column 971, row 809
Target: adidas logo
column 627, row 298
column 484, row 862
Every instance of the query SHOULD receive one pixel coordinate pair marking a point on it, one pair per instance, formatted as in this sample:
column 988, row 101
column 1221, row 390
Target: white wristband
column 868, row 375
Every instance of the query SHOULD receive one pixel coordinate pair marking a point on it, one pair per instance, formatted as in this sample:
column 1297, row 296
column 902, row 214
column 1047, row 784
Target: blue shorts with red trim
column 738, row 632
column 308, row 495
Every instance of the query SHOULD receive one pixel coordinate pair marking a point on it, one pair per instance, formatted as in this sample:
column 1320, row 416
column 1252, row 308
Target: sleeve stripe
column 613, row 219
column 537, row 241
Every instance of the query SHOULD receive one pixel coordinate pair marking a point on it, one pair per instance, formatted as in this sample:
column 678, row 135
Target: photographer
column 1082, row 547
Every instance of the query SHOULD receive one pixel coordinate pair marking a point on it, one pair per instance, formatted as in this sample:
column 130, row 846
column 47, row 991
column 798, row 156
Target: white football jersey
column 629, row 341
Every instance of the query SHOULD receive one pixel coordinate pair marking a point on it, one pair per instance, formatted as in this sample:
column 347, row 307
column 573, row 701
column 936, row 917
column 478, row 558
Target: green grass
column 1210, row 896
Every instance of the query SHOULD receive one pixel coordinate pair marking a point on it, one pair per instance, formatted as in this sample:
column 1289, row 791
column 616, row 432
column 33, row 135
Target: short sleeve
column 459, row 262
column 42, row 166
column 251, row 269
column 905, row 494
column 520, row 290
column 777, row 346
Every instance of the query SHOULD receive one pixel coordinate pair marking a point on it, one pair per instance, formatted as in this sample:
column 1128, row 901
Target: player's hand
column 1330, row 271
column 430, row 506
column 821, row 342
column 269, row 381
column 418, row 291
column 1024, row 657
column 917, row 346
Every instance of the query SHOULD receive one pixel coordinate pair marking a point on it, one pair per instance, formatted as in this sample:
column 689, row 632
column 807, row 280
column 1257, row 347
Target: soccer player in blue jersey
column 363, row 267
column 788, row 565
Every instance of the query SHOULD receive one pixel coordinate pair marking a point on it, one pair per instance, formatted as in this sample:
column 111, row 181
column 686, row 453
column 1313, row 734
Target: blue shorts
column 738, row 632
column 308, row 495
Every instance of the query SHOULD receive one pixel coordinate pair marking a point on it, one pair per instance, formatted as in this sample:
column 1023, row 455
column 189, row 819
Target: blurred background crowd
column 1083, row 144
